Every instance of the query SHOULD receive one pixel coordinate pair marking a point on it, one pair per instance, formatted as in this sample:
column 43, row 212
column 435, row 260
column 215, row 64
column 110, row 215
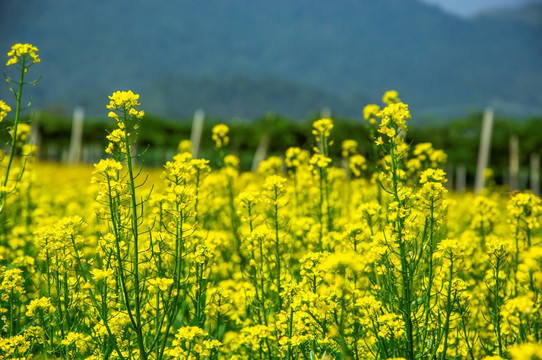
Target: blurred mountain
column 529, row 14
column 244, row 57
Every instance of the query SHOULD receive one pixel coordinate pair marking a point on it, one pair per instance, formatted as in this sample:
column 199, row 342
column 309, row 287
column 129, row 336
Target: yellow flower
column 23, row 132
column 19, row 53
column 349, row 147
column 231, row 161
column 322, row 127
column 529, row 351
column 123, row 101
column 274, row 182
column 296, row 157
column 369, row 113
column 185, row 146
column 74, row 338
column 450, row 247
column 433, row 175
column 525, row 207
column 159, row 283
column 108, row 166
column 220, row 135
column 390, row 97
column 11, row 283
column 357, row 164
column 320, row 160
column 44, row 304
column 4, row 109
column 394, row 115
column 272, row 165
column 99, row 274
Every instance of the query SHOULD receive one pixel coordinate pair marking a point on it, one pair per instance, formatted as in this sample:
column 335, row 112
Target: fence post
column 460, row 178
column 483, row 153
column 197, row 128
column 35, row 136
column 514, row 163
column 261, row 152
column 74, row 155
column 535, row 174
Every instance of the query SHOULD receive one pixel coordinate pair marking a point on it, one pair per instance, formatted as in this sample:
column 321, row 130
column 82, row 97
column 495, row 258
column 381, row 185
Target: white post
column 535, row 174
column 197, row 128
column 460, row 179
column 483, row 153
column 35, row 137
column 514, row 163
column 74, row 155
column 449, row 169
column 261, row 152
column 325, row 113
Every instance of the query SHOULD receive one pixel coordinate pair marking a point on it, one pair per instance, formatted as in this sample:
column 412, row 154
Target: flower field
column 309, row 257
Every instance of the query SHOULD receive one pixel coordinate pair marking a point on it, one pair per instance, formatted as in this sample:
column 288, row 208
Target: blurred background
column 272, row 66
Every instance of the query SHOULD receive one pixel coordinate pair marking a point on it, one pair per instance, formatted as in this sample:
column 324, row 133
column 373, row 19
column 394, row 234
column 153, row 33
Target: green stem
column 16, row 121
column 277, row 245
column 405, row 275
column 448, row 308
column 135, row 260
column 497, row 314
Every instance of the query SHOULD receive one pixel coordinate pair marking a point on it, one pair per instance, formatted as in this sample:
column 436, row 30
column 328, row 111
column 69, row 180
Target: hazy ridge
column 243, row 58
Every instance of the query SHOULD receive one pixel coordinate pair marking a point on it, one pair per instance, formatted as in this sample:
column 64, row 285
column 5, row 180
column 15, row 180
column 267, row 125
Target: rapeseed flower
column 19, row 53
column 370, row 113
column 42, row 305
column 349, row 148
column 220, row 135
column 124, row 101
column 4, row 110
column 322, row 128
column 390, row 97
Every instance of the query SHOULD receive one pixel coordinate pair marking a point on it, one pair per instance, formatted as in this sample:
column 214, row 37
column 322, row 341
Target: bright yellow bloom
column 390, row 97
column 23, row 132
column 231, row 161
column 433, row 175
column 11, row 283
column 320, row 160
column 161, row 284
column 220, row 135
column 296, row 157
column 349, row 148
column 19, row 53
column 75, row 338
column 357, row 164
column 108, row 166
column 527, row 208
column 322, row 128
column 369, row 113
column 43, row 304
column 123, row 101
column 447, row 247
column 185, row 146
column 530, row 351
column 274, row 182
column 4, row 109
column 394, row 115
column 270, row 166
column 99, row 274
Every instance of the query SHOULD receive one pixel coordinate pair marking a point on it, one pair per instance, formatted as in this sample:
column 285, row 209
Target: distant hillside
column 528, row 14
column 244, row 57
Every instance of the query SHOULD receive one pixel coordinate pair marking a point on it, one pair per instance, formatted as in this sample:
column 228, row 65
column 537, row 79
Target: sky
column 468, row 8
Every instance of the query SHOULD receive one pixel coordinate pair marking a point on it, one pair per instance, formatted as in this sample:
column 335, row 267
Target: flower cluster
column 220, row 135
column 310, row 257
column 4, row 110
column 20, row 53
